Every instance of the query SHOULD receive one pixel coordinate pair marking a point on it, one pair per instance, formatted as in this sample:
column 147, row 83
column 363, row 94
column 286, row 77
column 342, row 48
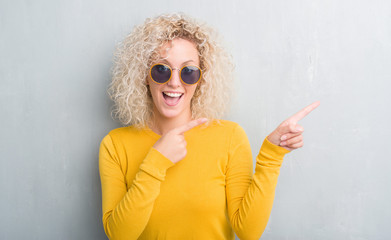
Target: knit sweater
column 210, row 194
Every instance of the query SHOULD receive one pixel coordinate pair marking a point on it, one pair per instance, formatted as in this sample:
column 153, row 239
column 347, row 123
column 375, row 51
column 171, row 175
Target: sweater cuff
column 271, row 154
column 156, row 164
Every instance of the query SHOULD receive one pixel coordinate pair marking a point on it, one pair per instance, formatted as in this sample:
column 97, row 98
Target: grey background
column 54, row 71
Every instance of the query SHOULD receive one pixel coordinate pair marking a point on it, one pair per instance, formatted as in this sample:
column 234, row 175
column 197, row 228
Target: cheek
column 152, row 87
column 192, row 90
column 154, row 92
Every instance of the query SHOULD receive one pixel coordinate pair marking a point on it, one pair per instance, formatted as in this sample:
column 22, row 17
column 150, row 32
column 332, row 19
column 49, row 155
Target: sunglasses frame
column 172, row 69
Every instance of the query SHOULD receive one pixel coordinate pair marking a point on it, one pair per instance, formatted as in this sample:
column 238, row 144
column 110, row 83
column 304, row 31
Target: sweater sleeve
column 126, row 212
column 250, row 196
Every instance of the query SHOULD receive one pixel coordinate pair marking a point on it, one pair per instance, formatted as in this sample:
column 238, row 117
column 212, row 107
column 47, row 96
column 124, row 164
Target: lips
column 172, row 98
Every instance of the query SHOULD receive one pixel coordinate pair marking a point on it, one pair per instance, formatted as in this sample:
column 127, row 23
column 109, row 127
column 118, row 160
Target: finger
column 289, row 136
column 290, row 127
column 296, row 145
column 302, row 113
column 190, row 125
column 292, row 141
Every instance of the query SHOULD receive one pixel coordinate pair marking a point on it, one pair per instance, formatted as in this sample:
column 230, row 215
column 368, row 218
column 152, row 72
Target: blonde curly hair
column 134, row 56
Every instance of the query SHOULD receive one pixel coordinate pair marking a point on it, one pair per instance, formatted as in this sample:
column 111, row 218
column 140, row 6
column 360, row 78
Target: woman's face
column 172, row 99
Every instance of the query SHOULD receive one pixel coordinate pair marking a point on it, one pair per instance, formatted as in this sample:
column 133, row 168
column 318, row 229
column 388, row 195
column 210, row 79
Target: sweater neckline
column 151, row 133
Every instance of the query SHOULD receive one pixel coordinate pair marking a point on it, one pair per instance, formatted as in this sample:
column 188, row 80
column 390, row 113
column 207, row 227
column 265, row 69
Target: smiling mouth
column 172, row 99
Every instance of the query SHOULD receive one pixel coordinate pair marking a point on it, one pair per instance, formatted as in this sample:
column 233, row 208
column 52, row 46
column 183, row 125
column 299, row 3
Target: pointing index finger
column 304, row 112
column 190, row 125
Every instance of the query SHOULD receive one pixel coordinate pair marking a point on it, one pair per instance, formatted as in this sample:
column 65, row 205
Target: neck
column 161, row 125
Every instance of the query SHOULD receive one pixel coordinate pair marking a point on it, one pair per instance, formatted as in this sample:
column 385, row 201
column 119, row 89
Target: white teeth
column 173, row 94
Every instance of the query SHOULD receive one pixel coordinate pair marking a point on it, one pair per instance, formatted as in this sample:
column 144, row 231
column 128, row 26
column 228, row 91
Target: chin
column 165, row 113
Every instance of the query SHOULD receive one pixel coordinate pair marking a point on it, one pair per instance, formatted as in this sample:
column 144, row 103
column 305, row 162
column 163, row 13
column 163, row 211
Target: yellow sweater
column 209, row 194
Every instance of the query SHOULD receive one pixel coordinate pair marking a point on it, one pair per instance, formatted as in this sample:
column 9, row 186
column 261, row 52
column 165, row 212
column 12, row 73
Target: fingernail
column 282, row 143
column 283, row 138
column 204, row 119
column 299, row 129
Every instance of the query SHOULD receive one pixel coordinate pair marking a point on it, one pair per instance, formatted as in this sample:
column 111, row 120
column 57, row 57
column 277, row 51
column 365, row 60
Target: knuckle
column 289, row 135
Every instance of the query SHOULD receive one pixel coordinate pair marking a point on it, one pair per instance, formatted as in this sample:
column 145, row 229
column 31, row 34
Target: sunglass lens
column 160, row 73
column 190, row 74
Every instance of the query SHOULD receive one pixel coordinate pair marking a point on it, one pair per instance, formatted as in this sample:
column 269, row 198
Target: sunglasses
column 161, row 73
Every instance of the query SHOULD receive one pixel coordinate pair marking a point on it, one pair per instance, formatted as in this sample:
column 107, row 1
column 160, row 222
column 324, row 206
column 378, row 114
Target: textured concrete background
column 54, row 71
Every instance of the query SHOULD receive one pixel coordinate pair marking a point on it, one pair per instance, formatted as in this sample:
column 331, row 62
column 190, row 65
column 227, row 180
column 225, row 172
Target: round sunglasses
column 161, row 73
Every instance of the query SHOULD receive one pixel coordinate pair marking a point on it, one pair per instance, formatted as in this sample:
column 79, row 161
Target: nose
column 175, row 80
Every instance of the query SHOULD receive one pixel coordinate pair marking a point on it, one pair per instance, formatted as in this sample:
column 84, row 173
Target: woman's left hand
column 289, row 134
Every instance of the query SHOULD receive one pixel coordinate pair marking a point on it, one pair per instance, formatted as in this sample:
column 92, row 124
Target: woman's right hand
column 173, row 144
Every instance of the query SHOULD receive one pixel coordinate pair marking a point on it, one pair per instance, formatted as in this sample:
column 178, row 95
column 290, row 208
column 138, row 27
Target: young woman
column 177, row 171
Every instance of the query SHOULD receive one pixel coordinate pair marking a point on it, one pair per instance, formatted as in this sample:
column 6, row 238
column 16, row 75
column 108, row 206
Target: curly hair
column 133, row 57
